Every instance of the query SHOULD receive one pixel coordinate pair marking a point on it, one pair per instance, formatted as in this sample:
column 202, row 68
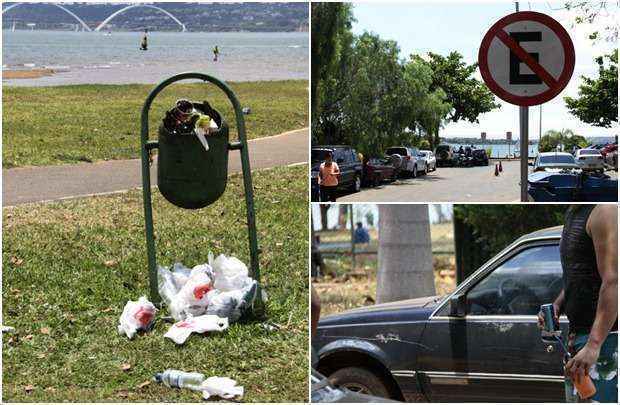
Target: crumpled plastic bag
column 230, row 273
column 222, row 387
column 180, row 331
column 137, row 315
column 185, row 291
column 222, row 287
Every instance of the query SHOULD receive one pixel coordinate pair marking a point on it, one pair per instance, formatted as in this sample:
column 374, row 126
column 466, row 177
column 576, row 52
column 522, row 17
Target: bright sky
column 442, row 27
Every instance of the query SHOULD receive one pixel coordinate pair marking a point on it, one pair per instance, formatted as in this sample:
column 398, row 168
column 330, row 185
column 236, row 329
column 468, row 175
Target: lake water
column 95, row 57
column 501, row 150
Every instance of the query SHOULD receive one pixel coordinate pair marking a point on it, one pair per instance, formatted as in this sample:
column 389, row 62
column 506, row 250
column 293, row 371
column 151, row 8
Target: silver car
column 430, row 160
column 554, row 161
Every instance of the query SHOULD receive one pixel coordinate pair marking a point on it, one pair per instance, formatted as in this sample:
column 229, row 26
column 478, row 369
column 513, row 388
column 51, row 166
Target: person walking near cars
column 589, row 254
column 328, row 178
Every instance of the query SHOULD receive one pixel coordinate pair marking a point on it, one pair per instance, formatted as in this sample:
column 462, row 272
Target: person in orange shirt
column 329, row 172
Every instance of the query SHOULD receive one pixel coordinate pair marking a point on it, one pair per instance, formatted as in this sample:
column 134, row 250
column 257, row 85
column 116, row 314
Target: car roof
column 546, row 233
column 331, row 146
column 554, row 153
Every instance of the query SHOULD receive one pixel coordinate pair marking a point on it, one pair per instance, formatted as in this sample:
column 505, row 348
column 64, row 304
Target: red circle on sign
column 567, row 71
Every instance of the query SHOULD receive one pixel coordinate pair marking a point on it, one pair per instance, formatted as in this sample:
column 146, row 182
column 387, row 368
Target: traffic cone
column 496, row 170
column 500, row 166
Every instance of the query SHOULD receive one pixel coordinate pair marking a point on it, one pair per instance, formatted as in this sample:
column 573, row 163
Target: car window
column 397, row 151
column 589, row 152
column 520, row 285
column 557, row 159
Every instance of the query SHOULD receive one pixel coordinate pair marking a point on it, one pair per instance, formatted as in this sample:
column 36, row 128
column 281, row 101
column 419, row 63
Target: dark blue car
column 481, row 343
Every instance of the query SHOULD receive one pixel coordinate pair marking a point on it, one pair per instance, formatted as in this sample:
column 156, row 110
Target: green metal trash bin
column 188, row 175
column 191, row 177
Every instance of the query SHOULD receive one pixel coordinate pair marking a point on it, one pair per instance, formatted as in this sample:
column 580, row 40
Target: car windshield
column 589, row 152
column 318, row 155
column 423, row 154
column 557, row 159
column 479, row 152
column 397, row 151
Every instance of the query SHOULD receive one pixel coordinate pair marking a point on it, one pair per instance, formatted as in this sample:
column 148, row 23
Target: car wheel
column 360, row 380
column 414, row 174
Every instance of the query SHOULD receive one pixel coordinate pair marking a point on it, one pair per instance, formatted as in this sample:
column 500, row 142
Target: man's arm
column 602, row 227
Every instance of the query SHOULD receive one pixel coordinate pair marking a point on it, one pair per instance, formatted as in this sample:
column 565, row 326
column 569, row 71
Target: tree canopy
column 597, row 103
column 366, row 96
column 569, row 140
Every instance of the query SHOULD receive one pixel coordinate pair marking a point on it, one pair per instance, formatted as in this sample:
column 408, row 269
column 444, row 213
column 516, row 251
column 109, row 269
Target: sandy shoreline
column 27, row 74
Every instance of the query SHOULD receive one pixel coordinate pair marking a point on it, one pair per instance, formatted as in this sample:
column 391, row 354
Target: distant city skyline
column 442, row 27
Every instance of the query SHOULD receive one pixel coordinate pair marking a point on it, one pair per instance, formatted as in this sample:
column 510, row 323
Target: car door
column 340, row 157
column 495, row 352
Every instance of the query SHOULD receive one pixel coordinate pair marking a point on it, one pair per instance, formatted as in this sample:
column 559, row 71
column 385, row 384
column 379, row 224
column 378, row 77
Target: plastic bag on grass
column 137, row 315
column 232, row 304
column 230, row 273
column 222, row 387
column 180, row 331
column 185, row 291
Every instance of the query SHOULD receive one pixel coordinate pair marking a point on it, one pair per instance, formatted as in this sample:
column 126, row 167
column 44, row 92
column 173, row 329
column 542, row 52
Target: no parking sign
column 526, row 58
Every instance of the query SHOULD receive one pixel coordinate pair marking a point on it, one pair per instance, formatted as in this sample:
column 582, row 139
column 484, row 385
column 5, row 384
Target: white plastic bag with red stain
column 137, row 315
column 185, row 291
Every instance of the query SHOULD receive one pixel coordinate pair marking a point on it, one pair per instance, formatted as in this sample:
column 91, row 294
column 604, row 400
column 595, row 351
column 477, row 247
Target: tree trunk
column 343, row 211
column 405, row 268
column 324, row 208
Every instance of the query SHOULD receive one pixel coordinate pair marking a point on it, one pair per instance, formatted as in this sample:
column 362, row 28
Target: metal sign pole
column 523, row 135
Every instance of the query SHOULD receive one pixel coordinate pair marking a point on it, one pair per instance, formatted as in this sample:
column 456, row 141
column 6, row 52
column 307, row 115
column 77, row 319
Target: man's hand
column 557, row 309
column 580, row 364
column 556, row 317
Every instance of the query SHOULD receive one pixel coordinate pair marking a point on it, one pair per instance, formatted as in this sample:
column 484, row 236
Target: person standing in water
column 144, row 45
column 216, row 53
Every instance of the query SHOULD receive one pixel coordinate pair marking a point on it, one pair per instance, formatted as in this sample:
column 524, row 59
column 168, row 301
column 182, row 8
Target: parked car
column 610, row 155
column 480, row 343
column 590, row 159
column 554, row 161
column 410, row 161
column 376, row 171
column 351, row 171
column 480, row 157
column 445, row 155
column 571, row 186
column 429, row 159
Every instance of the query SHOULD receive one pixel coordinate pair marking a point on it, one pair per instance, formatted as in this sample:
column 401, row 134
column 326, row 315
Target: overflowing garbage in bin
column 205, row 298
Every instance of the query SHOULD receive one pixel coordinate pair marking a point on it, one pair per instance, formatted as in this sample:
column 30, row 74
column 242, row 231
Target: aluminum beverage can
column 547, row 312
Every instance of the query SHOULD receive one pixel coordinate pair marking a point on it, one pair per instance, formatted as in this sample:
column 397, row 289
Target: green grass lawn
column 84, row 123
column 69, row 268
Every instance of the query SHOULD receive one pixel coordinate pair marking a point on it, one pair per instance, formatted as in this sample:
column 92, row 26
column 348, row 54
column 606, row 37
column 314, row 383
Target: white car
column 429, row 157
column 554, row 162
column 590, row 159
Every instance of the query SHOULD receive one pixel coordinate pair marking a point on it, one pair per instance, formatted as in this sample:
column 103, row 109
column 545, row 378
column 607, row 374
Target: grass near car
column 69, row 267
column 85, row 123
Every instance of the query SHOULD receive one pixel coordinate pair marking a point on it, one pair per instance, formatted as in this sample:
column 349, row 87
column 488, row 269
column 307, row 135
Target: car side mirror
column 458, row 306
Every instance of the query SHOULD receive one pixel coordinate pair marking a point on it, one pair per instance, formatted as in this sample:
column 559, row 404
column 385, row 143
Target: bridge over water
column 106, row 20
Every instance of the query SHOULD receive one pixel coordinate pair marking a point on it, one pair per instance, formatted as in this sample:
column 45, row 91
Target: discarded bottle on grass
column 180, row 379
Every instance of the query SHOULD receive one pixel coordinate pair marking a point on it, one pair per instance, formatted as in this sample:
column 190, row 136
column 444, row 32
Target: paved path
column 35, row 184
column 451, row 184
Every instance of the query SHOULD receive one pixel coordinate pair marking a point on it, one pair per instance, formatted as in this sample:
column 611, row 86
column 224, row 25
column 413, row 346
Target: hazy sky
column 442, row 27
